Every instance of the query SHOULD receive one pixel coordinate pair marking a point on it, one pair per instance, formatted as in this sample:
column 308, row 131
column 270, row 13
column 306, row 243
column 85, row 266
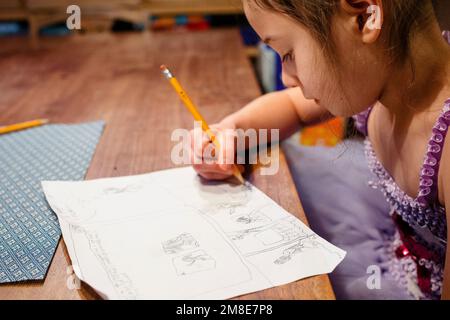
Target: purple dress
column 404, row 238
column 417, row 249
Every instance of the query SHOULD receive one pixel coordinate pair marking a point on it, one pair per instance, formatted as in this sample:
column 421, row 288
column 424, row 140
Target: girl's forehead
column 268, row 23
column 252, row 11
column 250, row 4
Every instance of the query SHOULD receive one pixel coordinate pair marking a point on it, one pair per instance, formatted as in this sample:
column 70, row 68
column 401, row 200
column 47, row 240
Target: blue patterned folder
column 29, row 230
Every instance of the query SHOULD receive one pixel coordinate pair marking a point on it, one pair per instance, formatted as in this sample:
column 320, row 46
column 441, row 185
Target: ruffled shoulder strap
column 446, row 35
column 361, row 120
column 428, row 189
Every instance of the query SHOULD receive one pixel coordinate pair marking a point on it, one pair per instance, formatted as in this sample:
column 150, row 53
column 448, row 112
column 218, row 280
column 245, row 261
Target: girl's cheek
column 288, row 80
column 290, row 76
column 313, row 79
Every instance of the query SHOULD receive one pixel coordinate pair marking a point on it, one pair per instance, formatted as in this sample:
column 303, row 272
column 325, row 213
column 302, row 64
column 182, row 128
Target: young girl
column 386, row 63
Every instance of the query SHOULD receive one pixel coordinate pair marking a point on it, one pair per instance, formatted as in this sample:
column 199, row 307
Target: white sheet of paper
column 169, row 235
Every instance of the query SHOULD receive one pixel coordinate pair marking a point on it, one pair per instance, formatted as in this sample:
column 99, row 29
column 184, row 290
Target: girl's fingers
column 214, row 176
column 211, row 168
column 196, row 146
column 205, row 149
column 227, row 152
column 204, row 159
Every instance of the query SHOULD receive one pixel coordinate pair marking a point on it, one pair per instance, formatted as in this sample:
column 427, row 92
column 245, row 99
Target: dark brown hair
column 402, row 19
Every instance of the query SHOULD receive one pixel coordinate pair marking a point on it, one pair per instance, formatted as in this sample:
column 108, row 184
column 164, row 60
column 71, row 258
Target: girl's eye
column 287, row 57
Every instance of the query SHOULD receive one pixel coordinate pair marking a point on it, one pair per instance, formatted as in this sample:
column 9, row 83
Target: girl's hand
column 203, row 154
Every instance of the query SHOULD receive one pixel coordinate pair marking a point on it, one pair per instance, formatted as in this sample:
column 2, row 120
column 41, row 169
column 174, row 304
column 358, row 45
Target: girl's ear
column 367, row 16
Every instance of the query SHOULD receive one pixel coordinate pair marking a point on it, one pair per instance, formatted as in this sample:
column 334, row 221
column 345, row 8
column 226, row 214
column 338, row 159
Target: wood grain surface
column 116, row 77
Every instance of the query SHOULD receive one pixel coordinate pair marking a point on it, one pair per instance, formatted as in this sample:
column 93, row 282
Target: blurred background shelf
column 100, row 15
column 175, row 7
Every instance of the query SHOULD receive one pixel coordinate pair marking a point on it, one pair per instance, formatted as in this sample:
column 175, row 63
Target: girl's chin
column 333, row 108
column 334, row 111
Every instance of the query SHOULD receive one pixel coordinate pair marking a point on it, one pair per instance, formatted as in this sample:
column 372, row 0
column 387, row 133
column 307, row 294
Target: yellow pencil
column 197, row 116
column 22, row 125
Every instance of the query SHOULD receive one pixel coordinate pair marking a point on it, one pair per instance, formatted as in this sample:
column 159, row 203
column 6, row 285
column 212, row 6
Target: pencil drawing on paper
column 193, row 262
column 120, row 190
column 120, row 281
column 180, row 243
column 224, row 198
column 281, row 231
column 255, row 216
column 189, row 260
column 286, row 236
column 297, row 248
column 127, row 254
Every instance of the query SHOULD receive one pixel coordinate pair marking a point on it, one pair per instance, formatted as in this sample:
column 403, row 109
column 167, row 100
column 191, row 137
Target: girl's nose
column 288, row 80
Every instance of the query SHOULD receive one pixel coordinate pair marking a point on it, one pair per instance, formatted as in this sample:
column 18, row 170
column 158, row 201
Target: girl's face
column 348, row 86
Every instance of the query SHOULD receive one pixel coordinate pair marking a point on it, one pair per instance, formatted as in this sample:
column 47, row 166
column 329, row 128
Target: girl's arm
column 286, row 110
column 445, row 167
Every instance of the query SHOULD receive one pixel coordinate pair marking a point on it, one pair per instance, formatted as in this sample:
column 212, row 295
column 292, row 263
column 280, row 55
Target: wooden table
column 116, row 78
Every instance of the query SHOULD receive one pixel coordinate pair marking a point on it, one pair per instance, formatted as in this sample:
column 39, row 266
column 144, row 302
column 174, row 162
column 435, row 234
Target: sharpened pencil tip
column 163, row 67
column 238, row 175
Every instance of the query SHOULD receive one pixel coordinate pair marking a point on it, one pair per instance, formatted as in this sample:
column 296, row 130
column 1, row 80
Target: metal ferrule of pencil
column 166, row 72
